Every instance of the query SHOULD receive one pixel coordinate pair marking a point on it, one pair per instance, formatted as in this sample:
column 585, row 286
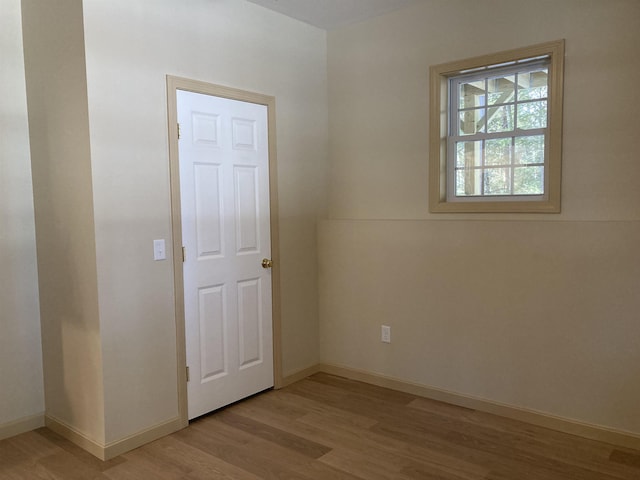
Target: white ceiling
column 331, row 14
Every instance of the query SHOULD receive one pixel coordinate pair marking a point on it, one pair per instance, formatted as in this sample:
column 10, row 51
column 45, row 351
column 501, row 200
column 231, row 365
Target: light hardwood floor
column 327, row 427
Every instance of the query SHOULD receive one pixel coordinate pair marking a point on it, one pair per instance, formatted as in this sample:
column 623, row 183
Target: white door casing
column 224, row 195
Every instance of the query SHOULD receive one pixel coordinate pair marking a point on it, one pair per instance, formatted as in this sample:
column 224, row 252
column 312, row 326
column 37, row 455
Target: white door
column 224, row 183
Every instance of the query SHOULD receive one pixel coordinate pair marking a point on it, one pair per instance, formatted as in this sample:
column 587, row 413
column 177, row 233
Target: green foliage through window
column 498, row 130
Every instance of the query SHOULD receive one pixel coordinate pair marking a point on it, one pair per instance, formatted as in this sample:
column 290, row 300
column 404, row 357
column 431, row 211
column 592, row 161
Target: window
column 496, row 132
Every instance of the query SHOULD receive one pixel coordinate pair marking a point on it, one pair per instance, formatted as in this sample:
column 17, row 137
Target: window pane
column 501, row 90
column 528, row 180
column 500, row 119
column 498, row 151
column 496, row 136
column 472, row 94
column 532, row 115
column 497, row 181
column 469, row 154
column 533, row 85
column 468, row 182
column 472, row 122
column 529, row 149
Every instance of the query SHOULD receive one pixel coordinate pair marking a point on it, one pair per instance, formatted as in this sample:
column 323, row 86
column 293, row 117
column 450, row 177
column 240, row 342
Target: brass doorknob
column 267, row 263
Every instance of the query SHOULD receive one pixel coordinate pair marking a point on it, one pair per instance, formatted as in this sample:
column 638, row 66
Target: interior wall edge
column 57, row 110
column 22, row 392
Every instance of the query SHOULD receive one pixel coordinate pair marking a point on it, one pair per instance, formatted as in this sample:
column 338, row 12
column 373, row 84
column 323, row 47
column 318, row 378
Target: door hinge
column 188, row 378
column 178, row 131
column 184, row 254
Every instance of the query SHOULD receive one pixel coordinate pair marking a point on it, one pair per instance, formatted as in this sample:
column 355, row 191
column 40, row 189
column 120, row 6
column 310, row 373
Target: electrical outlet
column 385, row 336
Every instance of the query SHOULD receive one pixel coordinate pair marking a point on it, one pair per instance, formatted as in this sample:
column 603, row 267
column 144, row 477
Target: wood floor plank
column 363, row 466
column 321, row 471
column 626, row 458
column 145, row 462
column 253, row 454
column 33, row 472
column 506, row 426
column 34, row 445
column 325, row 428
column 274, row 403
column 327, row 394
column 416, row 472
column 410, row 456
column 203, row 466
column 497, row 455
column 64, row 467
column 137, row 467
column 361, row 388
column 11, row 455
column 314, row 406
column 441, row 408
column 465, row 425
column 287, row 440
column 521, row 437
column 77, row 453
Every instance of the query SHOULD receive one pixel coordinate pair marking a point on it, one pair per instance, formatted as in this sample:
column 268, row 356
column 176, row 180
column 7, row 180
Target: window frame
column 440, row 76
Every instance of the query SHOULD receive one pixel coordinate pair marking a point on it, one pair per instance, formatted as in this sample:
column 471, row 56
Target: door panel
column 249, row 322
column 208, row 190
column 212, row 323
column 224, row 182
column 247, row 233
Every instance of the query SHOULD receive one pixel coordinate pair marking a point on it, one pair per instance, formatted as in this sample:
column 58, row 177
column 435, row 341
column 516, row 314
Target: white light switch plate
column 159, row 250
column 385, row 334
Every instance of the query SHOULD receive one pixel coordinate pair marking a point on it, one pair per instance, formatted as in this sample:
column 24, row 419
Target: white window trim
column 439, row 184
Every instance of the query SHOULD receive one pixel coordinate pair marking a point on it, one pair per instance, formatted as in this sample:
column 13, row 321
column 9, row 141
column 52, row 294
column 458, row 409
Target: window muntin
column 496, row 132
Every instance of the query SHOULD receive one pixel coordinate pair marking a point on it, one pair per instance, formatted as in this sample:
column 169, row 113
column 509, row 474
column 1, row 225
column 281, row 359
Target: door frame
column 196, row 86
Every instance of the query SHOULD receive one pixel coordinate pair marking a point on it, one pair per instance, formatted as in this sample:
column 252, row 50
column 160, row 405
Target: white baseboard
column 73, row 435
column 136, row 440
column 113, row 449
column 21, row 425
column 594, row 432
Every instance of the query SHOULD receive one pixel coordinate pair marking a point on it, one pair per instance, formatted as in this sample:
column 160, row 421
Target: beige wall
column 100, row 173
column 534, row 311
column 21, row 395
column 59, row 135
column 130, row 48
column 561, row 340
